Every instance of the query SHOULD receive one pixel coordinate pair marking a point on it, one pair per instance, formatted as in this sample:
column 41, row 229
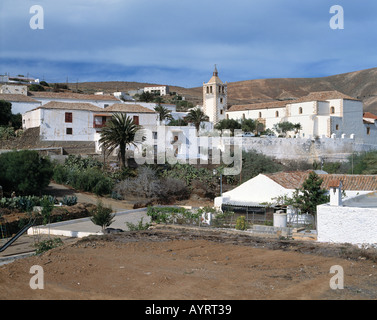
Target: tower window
column 337, row 127
column 368, row 131
column 69, row 131
column 221, row 100
column 332, row 110
column 207, row 89
column 210, row 89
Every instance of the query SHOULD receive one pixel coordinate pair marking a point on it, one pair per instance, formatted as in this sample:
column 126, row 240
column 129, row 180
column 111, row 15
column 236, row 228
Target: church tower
column 215, row 98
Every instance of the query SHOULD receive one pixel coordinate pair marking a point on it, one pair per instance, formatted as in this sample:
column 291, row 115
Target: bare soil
column 188, row 264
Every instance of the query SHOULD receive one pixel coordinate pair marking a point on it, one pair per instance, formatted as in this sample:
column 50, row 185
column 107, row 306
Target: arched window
column 300, row 110
column 332, row 110
column 337, row 127
column 207, row 89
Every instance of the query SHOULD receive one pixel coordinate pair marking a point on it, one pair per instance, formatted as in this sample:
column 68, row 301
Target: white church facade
column 327, row 114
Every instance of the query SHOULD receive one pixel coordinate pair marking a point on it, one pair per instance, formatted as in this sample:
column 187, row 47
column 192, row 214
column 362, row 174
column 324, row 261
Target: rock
column 112, row 230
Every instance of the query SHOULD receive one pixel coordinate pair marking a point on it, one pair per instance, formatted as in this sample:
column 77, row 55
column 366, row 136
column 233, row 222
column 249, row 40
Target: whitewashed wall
column 347, row 224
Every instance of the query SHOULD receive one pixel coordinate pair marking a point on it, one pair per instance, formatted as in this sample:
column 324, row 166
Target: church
column 325, row 114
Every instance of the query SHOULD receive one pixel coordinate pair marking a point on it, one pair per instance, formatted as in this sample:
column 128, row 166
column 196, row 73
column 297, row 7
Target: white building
column 20, row 103
column 62, row 121
column 215, row 98
column 321, row 114
column 262, row 190
column 161, row 90
column 13, row 89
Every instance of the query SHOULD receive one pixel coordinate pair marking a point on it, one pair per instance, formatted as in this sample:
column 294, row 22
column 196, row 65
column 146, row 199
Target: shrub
column 24, row 172
column 102, row 216
column 49, row 244
column 136, row 227
column 69, row 201
column 173, row 215
column 241, row 223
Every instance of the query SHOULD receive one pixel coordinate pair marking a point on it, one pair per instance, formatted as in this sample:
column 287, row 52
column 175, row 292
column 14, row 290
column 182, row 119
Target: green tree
column 163, row 112
column 5, row 112
column 311, row 194
column 24, row 172
column 119, row 132
column 286, row 126
column 196, row 116
column 102, row 216
column 249, row 125
column 146, row 97
column 230, row 124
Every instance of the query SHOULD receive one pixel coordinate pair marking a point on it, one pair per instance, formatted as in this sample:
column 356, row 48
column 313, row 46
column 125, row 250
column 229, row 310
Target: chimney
column 335, row 193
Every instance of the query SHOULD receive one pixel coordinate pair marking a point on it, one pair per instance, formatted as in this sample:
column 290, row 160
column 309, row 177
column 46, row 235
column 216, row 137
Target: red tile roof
column 71, row 96
column 295, row 179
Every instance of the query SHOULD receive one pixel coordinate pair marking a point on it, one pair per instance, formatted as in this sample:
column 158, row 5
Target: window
column 277, row 114
column 219, row 89
column 300, row 110
column 332, row 110
column 337, row 127
column 221, row 111
column 221, row 100
column 368, row 131
column 69, row 131
column 154, row 133
column 136, row 120
column 210, row 89
column 260, row 114
column 68, row 117
column 207, row 89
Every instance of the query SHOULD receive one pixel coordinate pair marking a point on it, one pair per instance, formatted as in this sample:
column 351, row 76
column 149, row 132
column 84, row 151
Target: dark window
column 136, row 120
column 69, row 131
column 68, row 117
column 368, row 131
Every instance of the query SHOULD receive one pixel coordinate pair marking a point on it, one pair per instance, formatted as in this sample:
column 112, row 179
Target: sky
column 178, row 42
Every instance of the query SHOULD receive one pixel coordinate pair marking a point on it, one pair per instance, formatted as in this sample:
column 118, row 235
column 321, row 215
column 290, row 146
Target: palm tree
column 196, row 116
column 163, row 112
column 119, row 132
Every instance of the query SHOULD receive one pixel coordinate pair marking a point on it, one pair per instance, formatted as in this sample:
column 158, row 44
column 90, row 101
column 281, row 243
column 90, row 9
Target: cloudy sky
column 177, row 42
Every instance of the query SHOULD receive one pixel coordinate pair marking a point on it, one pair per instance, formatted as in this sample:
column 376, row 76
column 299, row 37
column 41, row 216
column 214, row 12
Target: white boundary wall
column 347, row 225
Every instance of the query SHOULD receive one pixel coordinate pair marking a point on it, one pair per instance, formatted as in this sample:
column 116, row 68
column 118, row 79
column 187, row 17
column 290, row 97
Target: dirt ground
column 187, row 264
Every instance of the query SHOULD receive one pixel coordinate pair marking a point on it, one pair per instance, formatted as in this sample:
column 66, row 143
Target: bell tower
column 215, row 98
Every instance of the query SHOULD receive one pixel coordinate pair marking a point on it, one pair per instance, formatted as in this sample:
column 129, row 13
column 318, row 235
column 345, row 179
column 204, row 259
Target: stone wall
column 310, row 150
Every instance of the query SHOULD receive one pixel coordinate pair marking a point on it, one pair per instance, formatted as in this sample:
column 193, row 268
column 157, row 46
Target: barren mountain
column 360, row 84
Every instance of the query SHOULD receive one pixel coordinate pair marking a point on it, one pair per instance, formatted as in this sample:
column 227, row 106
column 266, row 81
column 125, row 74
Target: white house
column 262, row 190
column 20, row 102
column 62, row 121
column 161, row 90
column 329, row 114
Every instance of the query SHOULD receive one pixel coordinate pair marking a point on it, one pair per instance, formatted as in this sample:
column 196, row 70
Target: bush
column 241, row 223
column 173, row 215
column 137, row 227
column 90, row 180
column 102, row 216
column 24, row 172
column 49, row 244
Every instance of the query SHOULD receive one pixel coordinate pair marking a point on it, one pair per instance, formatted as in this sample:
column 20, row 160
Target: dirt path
column 184, row 264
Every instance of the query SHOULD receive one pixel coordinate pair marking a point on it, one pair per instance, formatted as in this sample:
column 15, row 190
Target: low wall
column 353, row 225
column 310, row 150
